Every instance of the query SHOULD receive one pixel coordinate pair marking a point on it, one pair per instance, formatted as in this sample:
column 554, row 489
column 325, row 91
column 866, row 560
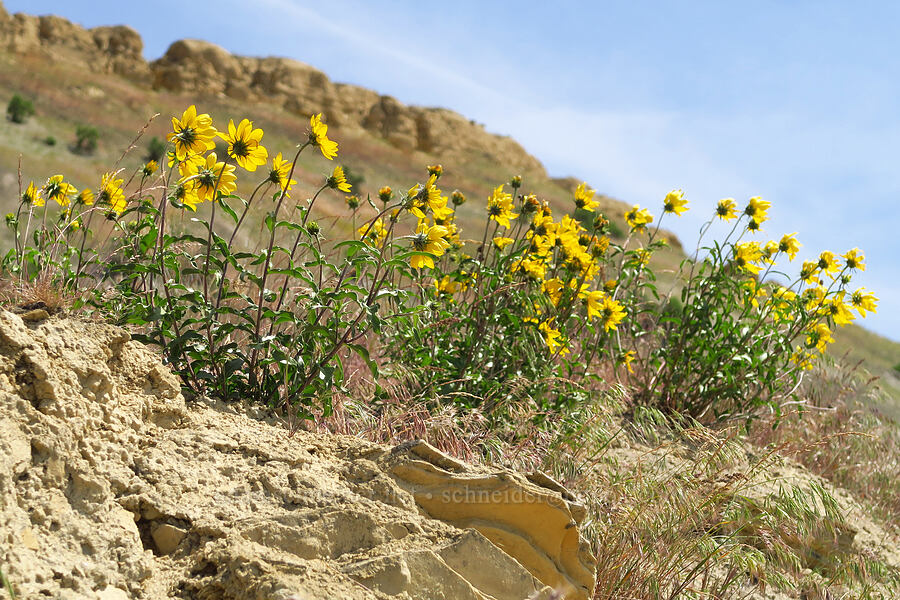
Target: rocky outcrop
column 112, row 487
column 201, row 68
column 116, row 50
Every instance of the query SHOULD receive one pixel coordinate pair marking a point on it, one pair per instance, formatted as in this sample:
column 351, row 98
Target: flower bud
column 530, row 204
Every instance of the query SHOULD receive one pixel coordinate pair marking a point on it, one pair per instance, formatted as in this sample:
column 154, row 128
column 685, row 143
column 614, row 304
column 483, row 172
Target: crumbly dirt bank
column 111, row 487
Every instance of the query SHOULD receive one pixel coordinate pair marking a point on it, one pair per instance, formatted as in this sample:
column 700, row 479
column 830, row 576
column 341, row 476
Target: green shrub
column 19, row 109
column 86, row 137
column 615, row 230
column 7, row 586
column 354, row 178
column 273, row 325
column 156, row 148
column 50, row 140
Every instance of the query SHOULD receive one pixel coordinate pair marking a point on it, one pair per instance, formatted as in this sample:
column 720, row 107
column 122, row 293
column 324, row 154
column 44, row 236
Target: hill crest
column 199, row 67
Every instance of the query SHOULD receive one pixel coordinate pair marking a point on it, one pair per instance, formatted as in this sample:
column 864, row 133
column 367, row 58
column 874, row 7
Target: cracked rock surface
column 111, row 487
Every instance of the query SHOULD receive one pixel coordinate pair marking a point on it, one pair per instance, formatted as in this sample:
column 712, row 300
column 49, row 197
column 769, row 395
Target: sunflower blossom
column 280, row 173
column 789, row 245
column 318, row 137
column 863, row 301
column 204, row 179
column 838, row 310
column 770, row 250
column 446, row 286
column 675, row 202
column 593, row 300
column 809, row 272
column 59, row 190
column 373, row 233
column 854, row 259
column 758, row 210
column 338, row 181
column 638, row 218
column 193, row 134
column 500, row 207
column 501, row 242
column 428, row 239
column 828, row 263
column 552, row 337
column 85, row 197
column 244, row 144
column 429, row 196
column 149, row 168
column 747, row 255
column 584, row 197
column 32, row 195
column 819, row 336
column 611, row 313
column 535, row 268
column 554, row 289
column 111, row 193
column 726, row 209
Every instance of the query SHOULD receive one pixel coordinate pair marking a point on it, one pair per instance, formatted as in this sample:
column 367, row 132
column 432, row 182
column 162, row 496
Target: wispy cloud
column 370, row 42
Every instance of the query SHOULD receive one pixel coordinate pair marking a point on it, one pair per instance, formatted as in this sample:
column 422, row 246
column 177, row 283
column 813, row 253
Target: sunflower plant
column 542, row 300
column 511, row 316
column 272, row 324
column 737, row 330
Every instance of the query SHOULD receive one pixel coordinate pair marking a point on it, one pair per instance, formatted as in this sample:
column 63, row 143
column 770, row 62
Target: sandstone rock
column 201, row 67
column 116, row 49
column 167, row 537
column 122, row 49
column 532, row 523
column 111, row 485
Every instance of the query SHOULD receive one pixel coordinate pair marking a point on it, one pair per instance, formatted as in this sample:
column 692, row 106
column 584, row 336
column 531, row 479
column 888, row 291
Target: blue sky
column 796, row 102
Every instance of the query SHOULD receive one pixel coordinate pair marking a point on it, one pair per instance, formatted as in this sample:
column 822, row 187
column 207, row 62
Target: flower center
column 240, row 148
column 186, row 136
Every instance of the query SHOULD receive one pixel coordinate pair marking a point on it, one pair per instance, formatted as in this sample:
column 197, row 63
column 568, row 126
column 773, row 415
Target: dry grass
column 674, row 511
column 844, row 439
column 40, row 293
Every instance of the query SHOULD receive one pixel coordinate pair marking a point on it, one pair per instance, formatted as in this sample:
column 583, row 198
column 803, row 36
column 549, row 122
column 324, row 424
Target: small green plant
column 50, row 140
column 86, row 138
column 7, row 586
column 156, row 149
column 354, row 178
column 19, row 109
